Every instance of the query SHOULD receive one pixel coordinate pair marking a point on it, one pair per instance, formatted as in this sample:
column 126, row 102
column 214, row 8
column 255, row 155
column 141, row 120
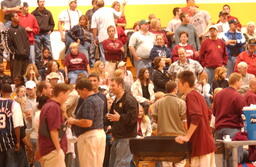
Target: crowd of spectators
column 83, row 110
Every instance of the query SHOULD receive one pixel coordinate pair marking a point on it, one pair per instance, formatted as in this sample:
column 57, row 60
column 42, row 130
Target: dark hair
column 226, row 5
column 175, row 10
column 49, row 66
column 187, row 76
column 182, row 16
column 83, row 17
column 156, row 62
column 84, row 83
column 170, row 86
column 60, row 87
column 141, row 75
column 21, row 79
column 41, row 101
column 6, row 88
column 118, row 80
column 12, row 14
column 95, row 75
column 183, row 32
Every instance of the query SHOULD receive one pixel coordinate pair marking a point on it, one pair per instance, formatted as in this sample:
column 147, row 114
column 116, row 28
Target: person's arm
column 17, row 123
column 17, row 136
column 84, row 123
column 95, row 33
column 61, row 30
column 55, row 139
column 186, row 138
column 10, row 10
column 51, row 23
column 35, row 27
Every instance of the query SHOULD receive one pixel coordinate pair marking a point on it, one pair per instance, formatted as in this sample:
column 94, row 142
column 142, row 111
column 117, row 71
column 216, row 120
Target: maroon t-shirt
column 250, row 97
column 213, row 53
column 76, row 62
column 198, row 113
column 52, row 114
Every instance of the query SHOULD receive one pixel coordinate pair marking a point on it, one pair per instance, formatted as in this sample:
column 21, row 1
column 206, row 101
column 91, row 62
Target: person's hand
column 137, row 58
column 113, row 117
column 37, row 155
column 95, row 42
column 71, row 120
column 28, row 29
column 181, row 139
column 63, row 39
column 122, row 49
column 78, row 41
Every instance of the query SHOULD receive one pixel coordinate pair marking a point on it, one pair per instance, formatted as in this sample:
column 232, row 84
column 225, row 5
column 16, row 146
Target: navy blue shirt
column 92, row 109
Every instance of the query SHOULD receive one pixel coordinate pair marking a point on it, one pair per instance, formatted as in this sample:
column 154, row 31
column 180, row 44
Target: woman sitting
column 99, row 68
column 53, row 66
column 220, row 80
column 159, row 77
column 143, row 89
column 75, row 63
column 32, row 74
column 144, row 127
column 46, row 57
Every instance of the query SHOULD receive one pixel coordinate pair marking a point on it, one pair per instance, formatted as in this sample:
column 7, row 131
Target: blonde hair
column 203, row 76
column 118, row 73
column 153, row 23
column 74, row 45
column 31, row 67
column 96, row 67
column 234, row 77
column 219, row 71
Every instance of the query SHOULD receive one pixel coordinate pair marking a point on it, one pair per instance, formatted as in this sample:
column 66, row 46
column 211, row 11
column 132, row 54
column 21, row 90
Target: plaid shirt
column 190, row 65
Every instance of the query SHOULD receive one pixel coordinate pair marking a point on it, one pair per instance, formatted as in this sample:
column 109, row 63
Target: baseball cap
column 30, row 84
column 222, row 13
column 252, row 41
column 143, row 22
column 121, row 64
column 233, row 21
column 69, row 1
column 53, row 75
column 212, row 27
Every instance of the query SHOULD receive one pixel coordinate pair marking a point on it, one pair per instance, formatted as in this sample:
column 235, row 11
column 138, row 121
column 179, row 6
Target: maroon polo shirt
column 227, row 109
column 51, row 113
column 198, row 113
column 76, row 62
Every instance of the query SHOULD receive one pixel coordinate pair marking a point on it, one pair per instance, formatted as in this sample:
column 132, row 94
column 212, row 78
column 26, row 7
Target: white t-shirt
column 173, row 25
column 102, row 19
column 17, row 116
column 200, row 21
column 143, row 43
column 70, row 18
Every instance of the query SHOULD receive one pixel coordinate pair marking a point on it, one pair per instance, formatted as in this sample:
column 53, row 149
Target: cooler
column 250, row 115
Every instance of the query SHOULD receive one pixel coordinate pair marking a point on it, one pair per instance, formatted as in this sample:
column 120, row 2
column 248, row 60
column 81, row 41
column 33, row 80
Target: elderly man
column 246, row 77
column 248, row 56
column 184, row 64
column 250, row 33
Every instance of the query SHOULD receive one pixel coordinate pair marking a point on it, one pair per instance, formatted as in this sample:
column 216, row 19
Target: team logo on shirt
column 219, row 46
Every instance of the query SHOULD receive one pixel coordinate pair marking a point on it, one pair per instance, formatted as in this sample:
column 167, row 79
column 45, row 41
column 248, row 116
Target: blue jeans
column 42, row 41
column 210, row 73
column 8, row 159
column 120, row 154
column 142, row 63
column 32, row 54
column 227, row 159
column 34, row 143
column 72, row 75
column 230, row 65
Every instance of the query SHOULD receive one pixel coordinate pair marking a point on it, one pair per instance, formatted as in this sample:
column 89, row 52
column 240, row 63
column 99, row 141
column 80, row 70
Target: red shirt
column 112, row 49
column 76, row 62
column 250, row 98
column 227, row 109
column 163, row 33
column 190, row 51
column 51, row 114
column 29, row 21
column 198, row 113
column 213, row 53
column 250, row 59
column 234, row 18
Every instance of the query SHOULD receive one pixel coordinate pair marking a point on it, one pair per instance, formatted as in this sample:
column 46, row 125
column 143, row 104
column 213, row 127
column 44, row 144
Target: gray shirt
column 192, row 35
column 9, row 4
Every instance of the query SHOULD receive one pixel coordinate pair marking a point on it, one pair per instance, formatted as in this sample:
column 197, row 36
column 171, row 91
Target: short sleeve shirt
column 70, row 18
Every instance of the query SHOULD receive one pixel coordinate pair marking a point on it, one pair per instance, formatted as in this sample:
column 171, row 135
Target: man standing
column 171, row 115
column 8, row 7
column 90, row 12
column 199, row 133
column 88, row 126
column 213, row 53
column 226, row 8
column 175, row 22
column 29, row 22
column 234, row 41
column 52, row 137
column 140, row 45
column 46, row 25
column 189, row 29
column 67, row 20
column 123, row 117
column 11, row 120
column 101, row 20
column 19, row 45
column 227, row 109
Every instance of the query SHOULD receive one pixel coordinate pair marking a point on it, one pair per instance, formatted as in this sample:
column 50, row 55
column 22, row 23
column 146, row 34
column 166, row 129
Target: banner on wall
column 33, row 3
